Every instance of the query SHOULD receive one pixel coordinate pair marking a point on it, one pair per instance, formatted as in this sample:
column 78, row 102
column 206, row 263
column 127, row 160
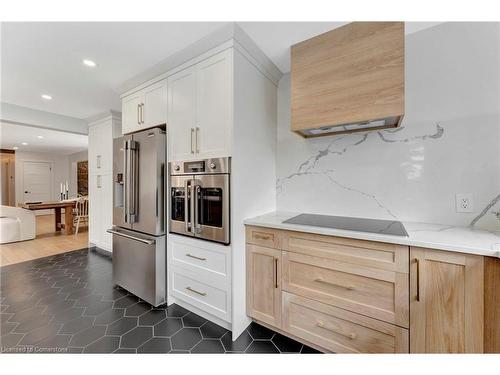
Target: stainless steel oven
column 199, row 199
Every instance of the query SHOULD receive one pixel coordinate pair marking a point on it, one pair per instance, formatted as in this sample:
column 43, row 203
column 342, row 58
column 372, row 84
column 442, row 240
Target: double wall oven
column 199, row 199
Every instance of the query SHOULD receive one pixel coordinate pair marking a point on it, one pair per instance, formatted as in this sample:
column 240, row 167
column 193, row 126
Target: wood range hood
column 349, row 79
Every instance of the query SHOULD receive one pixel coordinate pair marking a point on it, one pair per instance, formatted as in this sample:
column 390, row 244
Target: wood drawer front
column 338, row 330
column 186, row 255
column 264, row 237
column 380, row 255
column 208, row 297
column 372, row 292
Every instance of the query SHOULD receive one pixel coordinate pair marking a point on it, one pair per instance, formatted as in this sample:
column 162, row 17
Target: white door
column 155, row 104
column 182, row 114
column 37, row 181
column 214, row 98
column 130, row 113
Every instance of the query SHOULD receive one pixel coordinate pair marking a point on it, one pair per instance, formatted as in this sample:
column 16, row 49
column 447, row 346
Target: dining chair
column 81, row 213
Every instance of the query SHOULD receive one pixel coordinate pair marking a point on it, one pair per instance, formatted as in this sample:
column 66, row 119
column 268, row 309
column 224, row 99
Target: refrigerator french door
column 199, row 199
column 139, row 234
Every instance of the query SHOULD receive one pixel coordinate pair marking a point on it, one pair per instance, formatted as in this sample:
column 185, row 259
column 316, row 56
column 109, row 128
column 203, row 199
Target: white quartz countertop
column 434, row 236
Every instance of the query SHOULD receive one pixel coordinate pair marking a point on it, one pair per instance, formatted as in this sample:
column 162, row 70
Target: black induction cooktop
column 358, row 224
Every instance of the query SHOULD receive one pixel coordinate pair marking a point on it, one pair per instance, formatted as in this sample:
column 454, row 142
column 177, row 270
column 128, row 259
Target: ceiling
column 53, row 141
column 46, row 58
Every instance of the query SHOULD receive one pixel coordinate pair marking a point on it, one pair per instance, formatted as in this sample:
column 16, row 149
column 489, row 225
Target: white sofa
column 16, row 224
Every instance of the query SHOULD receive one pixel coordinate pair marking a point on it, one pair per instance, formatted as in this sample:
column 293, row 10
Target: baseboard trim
column 100, row 251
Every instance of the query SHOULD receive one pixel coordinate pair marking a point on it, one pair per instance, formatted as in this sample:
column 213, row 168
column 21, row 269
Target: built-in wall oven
column 199, row 199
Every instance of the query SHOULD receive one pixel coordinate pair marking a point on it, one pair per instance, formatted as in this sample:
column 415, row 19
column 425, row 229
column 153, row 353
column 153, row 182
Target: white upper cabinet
column 145, row 108
column 154, row 105
column 199, row 109
column 131, row 113
column 182, row 114
column 214, row 103
column 100, row 151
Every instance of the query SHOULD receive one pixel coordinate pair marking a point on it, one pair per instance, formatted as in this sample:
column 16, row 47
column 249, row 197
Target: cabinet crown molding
column 229, row 36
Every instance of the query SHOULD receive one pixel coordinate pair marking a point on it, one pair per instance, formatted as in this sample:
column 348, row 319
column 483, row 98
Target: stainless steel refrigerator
column 139, row 233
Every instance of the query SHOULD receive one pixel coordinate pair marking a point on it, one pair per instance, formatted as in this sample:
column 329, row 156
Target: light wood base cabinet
column 353, row 296
column 446, row 302
column 264, row 284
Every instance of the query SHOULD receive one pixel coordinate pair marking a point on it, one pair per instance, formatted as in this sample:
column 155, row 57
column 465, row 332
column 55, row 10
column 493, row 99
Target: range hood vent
column 349, row 79
column 389, row 122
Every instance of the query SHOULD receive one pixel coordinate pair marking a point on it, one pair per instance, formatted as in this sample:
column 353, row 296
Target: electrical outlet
column 464, row 203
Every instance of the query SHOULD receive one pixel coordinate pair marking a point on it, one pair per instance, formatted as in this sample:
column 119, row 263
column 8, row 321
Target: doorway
column 7, row 178
column 37, row 181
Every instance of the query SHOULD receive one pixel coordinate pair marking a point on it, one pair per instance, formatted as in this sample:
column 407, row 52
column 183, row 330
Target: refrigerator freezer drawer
column 139, row 265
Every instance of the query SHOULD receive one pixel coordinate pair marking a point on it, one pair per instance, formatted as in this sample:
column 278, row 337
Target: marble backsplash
column 449, row 141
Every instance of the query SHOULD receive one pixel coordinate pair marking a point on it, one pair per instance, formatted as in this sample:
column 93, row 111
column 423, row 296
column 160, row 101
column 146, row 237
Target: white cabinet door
column 131, row 120
column 106, row 210
column 100, row 210
column 154, row 109
column 94, row 210
column 182, row 114
column 100, row 148
column 214, row 103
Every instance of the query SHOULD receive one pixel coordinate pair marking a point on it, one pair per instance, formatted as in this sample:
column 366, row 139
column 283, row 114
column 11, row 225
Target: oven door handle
column 196, row 199
column 193, row 206
column 187, row 205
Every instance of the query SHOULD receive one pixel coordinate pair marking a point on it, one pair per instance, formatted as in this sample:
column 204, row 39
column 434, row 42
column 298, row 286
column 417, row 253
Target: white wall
column 73, row 160
column 60, row 165
column 449, row 142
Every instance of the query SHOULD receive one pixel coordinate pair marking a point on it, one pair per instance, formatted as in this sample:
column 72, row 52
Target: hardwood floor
column 46, row 243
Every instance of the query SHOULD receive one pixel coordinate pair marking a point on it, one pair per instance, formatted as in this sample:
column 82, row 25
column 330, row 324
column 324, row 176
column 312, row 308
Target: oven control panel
column 204, row 166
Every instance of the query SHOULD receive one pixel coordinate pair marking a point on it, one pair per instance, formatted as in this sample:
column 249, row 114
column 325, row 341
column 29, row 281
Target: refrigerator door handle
column 126, row 164
column 143, row 240
column 133, row 180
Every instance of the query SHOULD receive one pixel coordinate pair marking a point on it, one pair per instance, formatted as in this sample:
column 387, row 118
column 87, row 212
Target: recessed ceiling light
column 46, row 97
column 15, row 148
column 39, row 136
column 89, row 63
column 24, row 143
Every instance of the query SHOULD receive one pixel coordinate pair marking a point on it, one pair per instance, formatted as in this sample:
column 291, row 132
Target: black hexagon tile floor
column 67, row 303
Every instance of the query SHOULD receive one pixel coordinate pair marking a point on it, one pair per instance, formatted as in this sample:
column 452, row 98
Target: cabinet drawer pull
column 347, row 287
column 276, row 273
column 262, row 237
column 197, row 141
column 417, row 297
column 192, row 131
column 195, row 257
column 321, row 324
column 195, row 291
